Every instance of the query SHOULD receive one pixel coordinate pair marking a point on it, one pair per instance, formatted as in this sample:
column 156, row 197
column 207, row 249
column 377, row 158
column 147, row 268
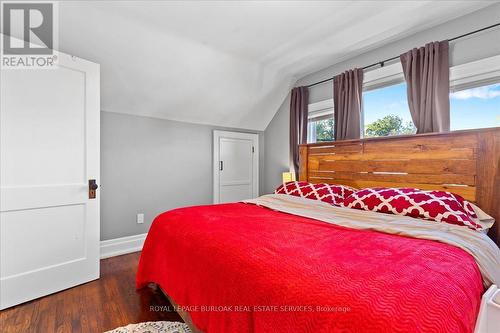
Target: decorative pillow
column 332, row 194
column 437, row 206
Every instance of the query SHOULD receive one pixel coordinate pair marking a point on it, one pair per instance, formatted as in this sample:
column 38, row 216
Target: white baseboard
column 123, row 245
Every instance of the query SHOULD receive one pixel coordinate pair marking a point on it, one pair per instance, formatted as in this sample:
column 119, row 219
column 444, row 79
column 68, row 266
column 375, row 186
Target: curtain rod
column 381, row 63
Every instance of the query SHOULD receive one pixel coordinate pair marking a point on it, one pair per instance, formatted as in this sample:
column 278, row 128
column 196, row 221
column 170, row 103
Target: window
column 385, row 106
column 475, row 94
column 320, row 122
column 320, row 130
column 386, row 112
column 477, row 107
column 474, row 101
column 474, row 98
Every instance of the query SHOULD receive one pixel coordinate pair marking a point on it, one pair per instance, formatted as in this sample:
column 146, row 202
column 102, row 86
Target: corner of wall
column 276, row 158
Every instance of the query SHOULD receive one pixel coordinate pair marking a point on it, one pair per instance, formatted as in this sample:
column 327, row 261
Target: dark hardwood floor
column 97, row 306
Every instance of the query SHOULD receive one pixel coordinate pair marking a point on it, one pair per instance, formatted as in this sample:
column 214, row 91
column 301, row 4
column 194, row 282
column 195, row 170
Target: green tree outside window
column 324, row 130
column 389, row 125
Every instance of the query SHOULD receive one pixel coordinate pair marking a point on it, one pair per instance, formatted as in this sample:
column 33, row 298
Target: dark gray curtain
column 347, row 95
column 298, row 124
column 427, row 75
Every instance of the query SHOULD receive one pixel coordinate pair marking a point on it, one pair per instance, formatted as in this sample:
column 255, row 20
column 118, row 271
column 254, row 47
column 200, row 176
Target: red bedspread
column 267, row 271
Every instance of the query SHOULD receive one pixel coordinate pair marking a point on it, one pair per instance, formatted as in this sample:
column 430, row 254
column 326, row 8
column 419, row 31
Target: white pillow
column 483, row 219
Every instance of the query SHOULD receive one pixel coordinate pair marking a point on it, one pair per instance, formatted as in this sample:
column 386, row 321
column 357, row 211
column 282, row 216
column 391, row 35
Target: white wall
column 478, row 46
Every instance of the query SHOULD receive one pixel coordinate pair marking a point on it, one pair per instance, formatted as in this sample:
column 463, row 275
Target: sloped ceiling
column 229, row 63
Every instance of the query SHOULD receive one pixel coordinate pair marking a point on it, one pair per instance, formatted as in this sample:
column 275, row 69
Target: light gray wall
column 276, row 158
column 151, row 165
column 478, row 46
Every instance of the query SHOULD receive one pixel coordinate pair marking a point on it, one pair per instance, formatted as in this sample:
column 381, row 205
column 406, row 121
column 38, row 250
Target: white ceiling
column 229, row 63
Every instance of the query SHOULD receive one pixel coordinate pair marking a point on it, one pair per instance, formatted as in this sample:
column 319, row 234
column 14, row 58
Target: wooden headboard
column 462, row 162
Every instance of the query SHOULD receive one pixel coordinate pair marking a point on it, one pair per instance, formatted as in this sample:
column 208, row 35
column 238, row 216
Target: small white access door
column 49, row 150
column 236, row 166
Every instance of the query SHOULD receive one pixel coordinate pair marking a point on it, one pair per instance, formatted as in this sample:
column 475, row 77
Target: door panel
column 47, row 125
column 235, row 166
column 236, row 155
column 49, row 148
column 233, row 193
column 64, row 243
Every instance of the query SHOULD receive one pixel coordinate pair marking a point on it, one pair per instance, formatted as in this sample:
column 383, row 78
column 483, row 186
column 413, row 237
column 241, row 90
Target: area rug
column 153, row 327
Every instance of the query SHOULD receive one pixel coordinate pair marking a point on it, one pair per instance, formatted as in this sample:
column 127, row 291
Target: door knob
column 92, row 188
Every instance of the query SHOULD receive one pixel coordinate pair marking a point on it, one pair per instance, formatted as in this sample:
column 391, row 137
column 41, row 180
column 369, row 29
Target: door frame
column 218, row 134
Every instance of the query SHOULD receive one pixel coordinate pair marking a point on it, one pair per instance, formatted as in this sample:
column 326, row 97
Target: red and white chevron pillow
column 437, row 206
column 332, row 194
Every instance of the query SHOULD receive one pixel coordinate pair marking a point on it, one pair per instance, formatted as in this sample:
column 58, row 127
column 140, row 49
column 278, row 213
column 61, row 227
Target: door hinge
column 253, row 149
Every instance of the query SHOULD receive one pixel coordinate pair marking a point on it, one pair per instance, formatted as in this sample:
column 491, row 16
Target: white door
column 236, row 166
column 49, row 150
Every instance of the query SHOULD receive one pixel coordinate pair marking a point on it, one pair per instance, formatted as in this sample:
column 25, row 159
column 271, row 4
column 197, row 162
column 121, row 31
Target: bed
column 283, row 264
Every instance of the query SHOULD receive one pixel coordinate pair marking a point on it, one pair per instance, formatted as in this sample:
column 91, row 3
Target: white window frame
column 383, row 77
column 475, row 73
column 465, row 76
column 317, row 110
